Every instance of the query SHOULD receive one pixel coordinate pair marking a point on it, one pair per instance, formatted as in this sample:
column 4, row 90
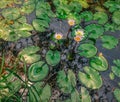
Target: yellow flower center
column 79, row 32
column 58, row 36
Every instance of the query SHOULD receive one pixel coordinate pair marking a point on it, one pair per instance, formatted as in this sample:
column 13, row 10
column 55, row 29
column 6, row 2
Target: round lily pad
column 115, row 17
column 117, row 94
column 101, row 17
column 87, row 50
column 66, row 82
column 29, row 55
column 53, row 57
column 91, row 78
column 11, row 13
column 94, row 30
column 38, row 71
column 99, row 63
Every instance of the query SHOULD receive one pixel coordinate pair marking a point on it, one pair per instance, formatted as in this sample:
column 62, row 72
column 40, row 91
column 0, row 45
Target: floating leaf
column 109, row 27
column 85, row 97
column 11, row 13
column 87, row 16
column 112, row 5
column 53, row 57
column 109, row 42
column 40, row 25
column 94, row 30
column 101, row 17
column 38, row 93
column 117, row 94
column 87, row 50
column 67, row 82
column 116, row 69
column 91, row 78
column 99, row 63
column 38, row 71
column 28, row 54
column 75, row 96
column 28, row 6
column 115, row 17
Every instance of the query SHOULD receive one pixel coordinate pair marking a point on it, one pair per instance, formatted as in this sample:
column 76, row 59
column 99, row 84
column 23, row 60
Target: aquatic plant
column 85, row 28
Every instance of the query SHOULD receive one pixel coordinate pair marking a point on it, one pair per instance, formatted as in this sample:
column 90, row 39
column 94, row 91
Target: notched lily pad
column 117, row 94
column 87, row 50
column 66, row 82
column 116, row 68
column 115, row 17
column 38, row 71
column 101, row 17
column 38, row 93
column 109, row 42
column 91, row 78
column 53, row 57
column 99, row 63
column 29, row 55
column 94, row 30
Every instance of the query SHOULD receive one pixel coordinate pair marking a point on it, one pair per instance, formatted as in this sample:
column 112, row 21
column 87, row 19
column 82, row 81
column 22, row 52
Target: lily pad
column 87, row 50
column 109, row 42
column 40, row 25
column 87, row 16
column 94, row 30
column 38, row 93
column 85, row 97
column 99, row 63
column 67, row 82
column 115, row 17
column 28, row 54
column 53, row 57
column 11, row 13
column 28, row 6
column 91, row 78
column 101, row 17
column 116, row 68
column 38, row 71
column 117, row 94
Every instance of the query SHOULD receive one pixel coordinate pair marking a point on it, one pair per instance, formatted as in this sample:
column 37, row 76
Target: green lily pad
column 94, row 30
column 53, row 57
column 109, row 42
column 67, row 82
column 40, row 25
column 116, row 68
column 117, row 94
column 28, row 54
column 85, row 97
column 11, row 13
column 38, row 71
column 38, row 93
column 91, row 78
column 99, row 63
column 28, row 6
column 87, row 16
column 87, row 50
column 115, row 17
column 75, row 96
column 101, row 17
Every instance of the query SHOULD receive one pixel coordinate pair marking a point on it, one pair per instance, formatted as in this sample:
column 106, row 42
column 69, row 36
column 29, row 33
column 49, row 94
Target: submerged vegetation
column 31, row 75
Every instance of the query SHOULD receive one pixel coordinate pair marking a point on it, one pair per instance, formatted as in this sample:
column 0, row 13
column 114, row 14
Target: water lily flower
column 58, row 36
column 79, row 32
column 71, row 22
column 77, row 38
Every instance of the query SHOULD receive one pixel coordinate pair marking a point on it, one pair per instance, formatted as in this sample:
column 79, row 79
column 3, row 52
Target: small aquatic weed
column 71, row 22
column 58, row 36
